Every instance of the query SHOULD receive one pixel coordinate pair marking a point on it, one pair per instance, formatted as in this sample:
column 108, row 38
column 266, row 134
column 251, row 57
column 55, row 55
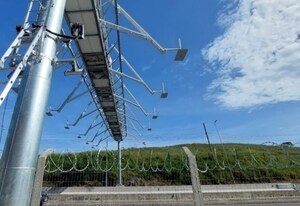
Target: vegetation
column 218, row 164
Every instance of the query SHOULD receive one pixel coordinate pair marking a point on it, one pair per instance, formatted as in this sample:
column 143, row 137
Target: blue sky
column 242, row 69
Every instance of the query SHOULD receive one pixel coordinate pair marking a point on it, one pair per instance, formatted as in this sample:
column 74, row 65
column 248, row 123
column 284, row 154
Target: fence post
column 198, row 198
column 38, row 179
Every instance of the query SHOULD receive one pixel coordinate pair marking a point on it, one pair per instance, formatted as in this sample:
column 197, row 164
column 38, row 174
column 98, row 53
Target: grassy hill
column 218, row 164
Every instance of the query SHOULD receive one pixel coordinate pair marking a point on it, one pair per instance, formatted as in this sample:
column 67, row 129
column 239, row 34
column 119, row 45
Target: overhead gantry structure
column 32, row 57
column 96, row 52
column 97, row 61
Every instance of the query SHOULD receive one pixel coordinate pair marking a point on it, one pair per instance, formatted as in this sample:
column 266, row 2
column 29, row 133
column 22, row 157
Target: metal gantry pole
column 19, row 159
column 119, row 163
column 106, row 164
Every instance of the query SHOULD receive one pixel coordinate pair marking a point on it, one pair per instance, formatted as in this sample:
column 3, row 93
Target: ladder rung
column 38, row 10
column 26, row 37
column 19, row 46
column 17, row 56
column 23, row 44
column 14, row 56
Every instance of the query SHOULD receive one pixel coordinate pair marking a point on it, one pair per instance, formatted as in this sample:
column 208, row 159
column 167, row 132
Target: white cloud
column 258, row 57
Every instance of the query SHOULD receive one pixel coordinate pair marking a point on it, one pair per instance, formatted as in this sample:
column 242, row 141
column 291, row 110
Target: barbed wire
column 105, row 161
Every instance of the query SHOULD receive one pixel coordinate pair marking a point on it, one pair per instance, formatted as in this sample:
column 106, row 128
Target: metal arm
column 97, row 134
column 163, row 94
column 138, row 78
column 101, row 140
column 135, row 103
column 141, row 33
column 92, row 126
column 82, row 115
column 69, row 99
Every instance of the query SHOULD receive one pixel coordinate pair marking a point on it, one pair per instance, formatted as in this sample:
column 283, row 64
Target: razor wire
column 105, row 161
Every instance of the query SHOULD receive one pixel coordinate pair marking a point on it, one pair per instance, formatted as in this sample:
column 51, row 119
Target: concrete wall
column 181, row 195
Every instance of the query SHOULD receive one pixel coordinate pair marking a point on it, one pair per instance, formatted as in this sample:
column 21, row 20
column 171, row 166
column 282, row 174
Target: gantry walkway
column 97, row 61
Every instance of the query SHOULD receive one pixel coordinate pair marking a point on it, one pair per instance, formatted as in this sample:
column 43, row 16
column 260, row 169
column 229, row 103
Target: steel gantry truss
column 32, row 57
column 100, row 58
column 104, row 81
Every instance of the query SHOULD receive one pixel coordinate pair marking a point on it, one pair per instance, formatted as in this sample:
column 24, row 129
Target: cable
column 60, row 35
column 54, row 33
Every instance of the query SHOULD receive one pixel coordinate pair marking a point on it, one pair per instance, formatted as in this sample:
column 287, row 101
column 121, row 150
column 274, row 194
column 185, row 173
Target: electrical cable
column 61, row 35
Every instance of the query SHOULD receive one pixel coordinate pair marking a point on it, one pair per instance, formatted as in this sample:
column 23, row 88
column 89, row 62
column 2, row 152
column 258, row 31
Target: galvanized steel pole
column 19, row 159
column 120, row 163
